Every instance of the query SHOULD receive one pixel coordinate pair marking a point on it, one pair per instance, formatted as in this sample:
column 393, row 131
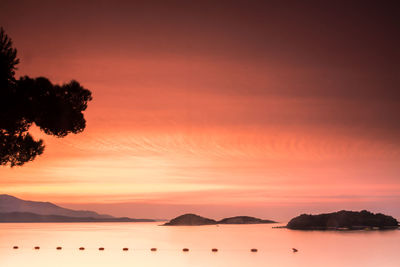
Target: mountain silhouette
column 13, row 204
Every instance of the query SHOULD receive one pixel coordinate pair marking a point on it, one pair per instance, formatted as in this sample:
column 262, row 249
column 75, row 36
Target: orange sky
column 221, row 109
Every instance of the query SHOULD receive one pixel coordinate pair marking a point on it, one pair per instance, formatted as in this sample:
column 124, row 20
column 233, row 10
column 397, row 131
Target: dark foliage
column 342, row 219
column 55, row 109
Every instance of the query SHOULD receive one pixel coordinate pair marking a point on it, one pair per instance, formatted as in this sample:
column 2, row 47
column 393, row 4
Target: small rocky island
column 343, row 220
column 193, row 219
column 243, row 220
column 190, row 219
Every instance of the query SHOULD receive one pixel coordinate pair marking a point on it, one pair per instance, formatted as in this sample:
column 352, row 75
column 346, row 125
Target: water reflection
column 148, row 244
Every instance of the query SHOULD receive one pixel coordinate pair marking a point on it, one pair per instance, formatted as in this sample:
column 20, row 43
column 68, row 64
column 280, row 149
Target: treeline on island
column 343, row 220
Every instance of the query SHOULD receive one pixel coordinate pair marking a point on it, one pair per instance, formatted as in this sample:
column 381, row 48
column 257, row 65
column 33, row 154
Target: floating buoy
column 214, row 250
column 125, row 249
column 295, row 250
column 153, row 249
column 185, row 250
column 59, row 248
column 81, row 248
column 253, row 250
column 15, row 247
column 36, row 248
column 101, row 248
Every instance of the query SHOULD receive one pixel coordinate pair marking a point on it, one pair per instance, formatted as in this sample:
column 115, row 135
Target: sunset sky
column 220, row 108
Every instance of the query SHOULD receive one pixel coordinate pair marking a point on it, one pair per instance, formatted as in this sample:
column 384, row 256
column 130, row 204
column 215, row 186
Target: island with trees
column 343, row 220
column 193, row 220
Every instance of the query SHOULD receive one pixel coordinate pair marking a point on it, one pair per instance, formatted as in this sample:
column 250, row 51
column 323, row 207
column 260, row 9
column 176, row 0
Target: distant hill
column 12, row 204
column 13, row 209
column 243, row 220
column 32, row 217
column 343, row 220
column 193, row 219
column 190, row 219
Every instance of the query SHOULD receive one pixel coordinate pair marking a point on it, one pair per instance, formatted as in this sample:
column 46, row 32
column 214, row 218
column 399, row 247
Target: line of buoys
column 151, row 249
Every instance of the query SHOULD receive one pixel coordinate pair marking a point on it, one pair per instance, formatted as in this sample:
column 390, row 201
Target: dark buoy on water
column 295, row 250
column 59, row 248
column 101, row 248
column 153, row 249
column 15, row 247
column 81, row 248
column 253, row 250
column 37, row 247
column 214, row 250
column 185, row 250
column 125, row 249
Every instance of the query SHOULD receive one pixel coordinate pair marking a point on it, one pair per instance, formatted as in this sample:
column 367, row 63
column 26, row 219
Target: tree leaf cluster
column 56, row 109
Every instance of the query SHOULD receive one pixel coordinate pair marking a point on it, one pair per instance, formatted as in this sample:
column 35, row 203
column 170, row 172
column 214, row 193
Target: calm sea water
column 357, row 248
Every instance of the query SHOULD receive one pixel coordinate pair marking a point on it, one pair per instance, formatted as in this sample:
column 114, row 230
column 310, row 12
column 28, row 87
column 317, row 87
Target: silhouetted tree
column 56, row 109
